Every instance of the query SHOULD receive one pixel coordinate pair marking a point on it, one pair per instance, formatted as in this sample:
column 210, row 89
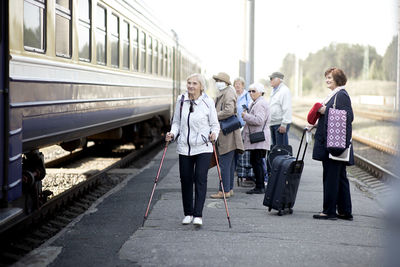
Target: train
column 79, row 70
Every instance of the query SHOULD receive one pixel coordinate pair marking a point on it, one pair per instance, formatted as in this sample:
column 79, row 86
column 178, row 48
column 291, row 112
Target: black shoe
column 248, row 183
column 256, row 191
column 347, row 217
column 323, row 216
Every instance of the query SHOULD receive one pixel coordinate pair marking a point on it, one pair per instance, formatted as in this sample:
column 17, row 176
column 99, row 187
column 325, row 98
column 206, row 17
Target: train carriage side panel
column 12, row 133
column 2, row 93
column 56, row 107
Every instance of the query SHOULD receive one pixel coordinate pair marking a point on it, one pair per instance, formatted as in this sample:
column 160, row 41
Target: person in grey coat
column 257, row 119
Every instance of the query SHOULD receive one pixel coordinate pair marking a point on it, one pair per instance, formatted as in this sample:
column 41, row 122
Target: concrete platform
column 110, row 234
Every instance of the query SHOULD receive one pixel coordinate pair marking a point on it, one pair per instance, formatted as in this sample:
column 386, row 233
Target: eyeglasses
column 252, row 91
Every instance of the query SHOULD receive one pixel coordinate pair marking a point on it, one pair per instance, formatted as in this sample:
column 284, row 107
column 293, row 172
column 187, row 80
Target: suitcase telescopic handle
column 301, row 143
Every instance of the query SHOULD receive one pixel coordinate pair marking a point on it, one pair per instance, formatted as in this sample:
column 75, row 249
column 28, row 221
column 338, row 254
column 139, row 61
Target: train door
column 3, row 173
column 10, row 153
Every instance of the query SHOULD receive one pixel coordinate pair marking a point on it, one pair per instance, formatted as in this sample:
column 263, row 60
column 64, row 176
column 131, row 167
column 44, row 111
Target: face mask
column 220, row 85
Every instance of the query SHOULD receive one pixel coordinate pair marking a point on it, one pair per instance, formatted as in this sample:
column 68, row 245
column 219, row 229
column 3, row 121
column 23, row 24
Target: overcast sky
column 213, row 29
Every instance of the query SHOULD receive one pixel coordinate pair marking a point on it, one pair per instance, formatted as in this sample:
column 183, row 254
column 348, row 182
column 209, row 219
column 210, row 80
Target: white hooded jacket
column 280, row 104
column 193, row 128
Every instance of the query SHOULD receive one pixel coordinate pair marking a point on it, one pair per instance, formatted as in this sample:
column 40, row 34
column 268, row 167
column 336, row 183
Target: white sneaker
column 187, row 219
column 198, row 221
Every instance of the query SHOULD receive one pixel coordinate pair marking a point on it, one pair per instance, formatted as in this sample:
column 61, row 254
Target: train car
column 79, row 70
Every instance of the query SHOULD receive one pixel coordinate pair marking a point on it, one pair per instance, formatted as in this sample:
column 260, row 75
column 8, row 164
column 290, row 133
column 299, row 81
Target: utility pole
column 246, row 64
column 251, row 40
column 243, row 60
column 365, row 72
column 397, row 105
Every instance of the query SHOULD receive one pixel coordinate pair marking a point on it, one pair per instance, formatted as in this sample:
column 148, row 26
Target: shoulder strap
column 264, row 122
column 334, row 102
column 248, row 127
column 180, row 110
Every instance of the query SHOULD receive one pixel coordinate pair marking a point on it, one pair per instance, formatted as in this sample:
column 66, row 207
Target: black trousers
column 256, row 160
column 194, row 169
column 336, row 188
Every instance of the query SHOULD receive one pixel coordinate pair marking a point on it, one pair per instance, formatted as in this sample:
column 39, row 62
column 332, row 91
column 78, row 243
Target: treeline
column 358, row 62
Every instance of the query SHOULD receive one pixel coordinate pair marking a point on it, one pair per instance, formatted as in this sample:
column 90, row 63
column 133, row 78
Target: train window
column 125, row 44
column 135, row 43
column 156, row 57
column 84, row 30
column 170, row 62
column 166, row 62
column 63, row 28
column 101, row 33
column 161, row 59
column 34, row 23
column 142, row 52
column 114, row 29
column 64, row 3
column 149, row 54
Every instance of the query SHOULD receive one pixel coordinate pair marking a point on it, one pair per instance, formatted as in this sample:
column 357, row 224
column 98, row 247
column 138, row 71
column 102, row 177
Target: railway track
column 362, row 111
column 357, row 137
column 30, row 231
column 368, row 176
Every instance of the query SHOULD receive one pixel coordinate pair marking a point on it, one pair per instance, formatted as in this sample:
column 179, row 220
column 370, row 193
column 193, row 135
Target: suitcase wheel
column 290, row 211
column 269, row 209
column 280, row 213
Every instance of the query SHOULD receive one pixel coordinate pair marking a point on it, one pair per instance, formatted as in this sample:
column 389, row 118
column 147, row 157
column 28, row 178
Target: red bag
column 313, row 114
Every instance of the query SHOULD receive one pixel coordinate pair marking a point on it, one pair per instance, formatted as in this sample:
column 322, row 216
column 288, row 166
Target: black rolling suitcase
column 284, row 181
column 277, row 150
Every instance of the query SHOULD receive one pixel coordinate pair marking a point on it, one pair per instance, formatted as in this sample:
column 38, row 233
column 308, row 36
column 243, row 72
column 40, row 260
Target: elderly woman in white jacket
column 257, row 120
column 194, row 125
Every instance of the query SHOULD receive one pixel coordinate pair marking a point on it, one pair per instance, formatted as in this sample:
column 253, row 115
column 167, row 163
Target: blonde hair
column 200, row 78
column 241, row 80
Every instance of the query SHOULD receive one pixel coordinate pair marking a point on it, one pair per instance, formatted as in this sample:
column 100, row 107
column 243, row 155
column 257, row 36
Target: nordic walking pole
column 222, row 185
column 155, row 182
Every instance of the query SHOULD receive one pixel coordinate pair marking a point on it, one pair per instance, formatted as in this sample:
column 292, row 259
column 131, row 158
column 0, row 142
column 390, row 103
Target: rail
column 367, row 165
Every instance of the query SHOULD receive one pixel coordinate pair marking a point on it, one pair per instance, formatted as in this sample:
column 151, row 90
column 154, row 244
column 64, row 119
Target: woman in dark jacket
column 335, row 183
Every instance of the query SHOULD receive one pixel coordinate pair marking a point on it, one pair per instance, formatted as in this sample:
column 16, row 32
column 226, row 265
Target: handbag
column 230, row 124
column 213, row 162
column 336, row 132
column 345, row 156
column 257, row 136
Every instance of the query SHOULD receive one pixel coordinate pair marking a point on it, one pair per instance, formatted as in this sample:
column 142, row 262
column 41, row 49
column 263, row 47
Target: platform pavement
column 257, row 237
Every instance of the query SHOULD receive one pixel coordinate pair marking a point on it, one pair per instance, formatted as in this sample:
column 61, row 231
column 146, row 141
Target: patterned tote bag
column 336, row 134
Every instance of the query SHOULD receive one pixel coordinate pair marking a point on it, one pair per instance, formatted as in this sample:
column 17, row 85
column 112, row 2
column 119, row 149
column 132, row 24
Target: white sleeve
column 286, row 108
column 176, row 120
column 214, row 123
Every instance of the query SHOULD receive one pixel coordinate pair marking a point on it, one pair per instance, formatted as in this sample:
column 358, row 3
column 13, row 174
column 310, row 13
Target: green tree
column 389, row 62
column 348, row 57
column 288, row 69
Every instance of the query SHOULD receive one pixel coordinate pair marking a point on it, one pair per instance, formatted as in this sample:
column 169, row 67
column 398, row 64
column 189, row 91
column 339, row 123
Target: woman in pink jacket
column 257, row 120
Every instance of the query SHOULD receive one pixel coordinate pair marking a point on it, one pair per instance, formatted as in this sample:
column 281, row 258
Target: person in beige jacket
column 225, row 105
